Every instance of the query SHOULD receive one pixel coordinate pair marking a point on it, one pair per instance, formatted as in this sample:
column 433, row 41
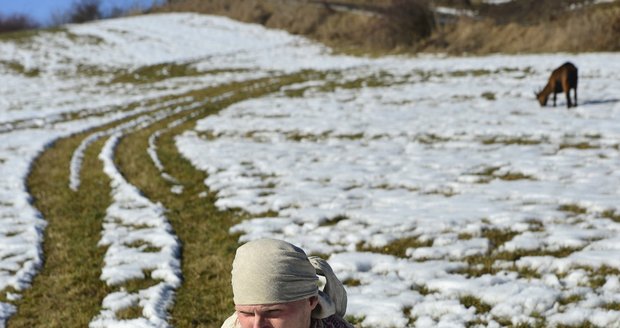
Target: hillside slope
column 453, row 26
column 136, row 154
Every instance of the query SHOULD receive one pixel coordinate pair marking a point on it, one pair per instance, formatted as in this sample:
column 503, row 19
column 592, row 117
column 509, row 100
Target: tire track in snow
column 139, row 240
column 203, row 299
column 67, row 288
column 158, row 112
column 138, row 235
column 152, row 141
column 26, row 315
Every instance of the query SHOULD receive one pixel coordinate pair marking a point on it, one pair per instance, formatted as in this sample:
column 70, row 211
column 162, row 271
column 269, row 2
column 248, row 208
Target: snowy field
column 448, row 150
column 505, row 213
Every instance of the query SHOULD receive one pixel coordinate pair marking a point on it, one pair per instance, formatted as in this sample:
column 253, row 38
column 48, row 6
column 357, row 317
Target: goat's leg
column 554, row 96
column 575, row 104
column 568, row 103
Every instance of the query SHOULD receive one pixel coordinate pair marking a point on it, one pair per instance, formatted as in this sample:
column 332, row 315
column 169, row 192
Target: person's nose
column 260, row 322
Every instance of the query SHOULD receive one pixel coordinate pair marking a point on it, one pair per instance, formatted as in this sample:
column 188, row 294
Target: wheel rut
column 69, row 288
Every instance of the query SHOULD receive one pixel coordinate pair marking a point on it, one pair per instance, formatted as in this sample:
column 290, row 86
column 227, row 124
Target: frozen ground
column 440, row 191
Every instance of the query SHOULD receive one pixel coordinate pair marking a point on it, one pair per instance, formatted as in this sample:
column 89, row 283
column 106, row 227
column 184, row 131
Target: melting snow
column 447, row 150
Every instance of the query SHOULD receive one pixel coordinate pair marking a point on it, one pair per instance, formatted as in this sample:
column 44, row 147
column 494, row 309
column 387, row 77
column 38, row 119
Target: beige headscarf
column 268, row 271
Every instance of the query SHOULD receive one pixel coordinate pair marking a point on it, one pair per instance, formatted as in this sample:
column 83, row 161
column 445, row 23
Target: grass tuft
column 407, row 313
column 397, row 247
column 498, row 237
column 472, row 301
column 615, row 306
column 572, row 208
column 352, row 282
column 128, row 313
column 612, row 215
column 579, row 145
column 570, row 299
column 333, row 221
column 355, row 321
column 488, row 95
column 521, row 141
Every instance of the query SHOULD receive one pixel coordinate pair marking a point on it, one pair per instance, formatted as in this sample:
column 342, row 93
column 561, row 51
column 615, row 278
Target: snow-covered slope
column 438, row 154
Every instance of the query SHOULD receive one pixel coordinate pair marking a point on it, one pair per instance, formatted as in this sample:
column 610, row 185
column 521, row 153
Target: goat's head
column 542, row 98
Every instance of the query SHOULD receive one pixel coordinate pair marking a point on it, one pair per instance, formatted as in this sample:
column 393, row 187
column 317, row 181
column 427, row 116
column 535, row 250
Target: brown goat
column 562, row 79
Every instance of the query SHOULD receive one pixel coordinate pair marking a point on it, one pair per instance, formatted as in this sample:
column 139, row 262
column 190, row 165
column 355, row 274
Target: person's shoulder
column 231, row 322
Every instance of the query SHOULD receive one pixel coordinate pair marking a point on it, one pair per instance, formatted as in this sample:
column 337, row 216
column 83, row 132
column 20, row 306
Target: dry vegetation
column 16, row 22
column 347, row 25
column 411, row 26
column 402, row 26
column 534, row 27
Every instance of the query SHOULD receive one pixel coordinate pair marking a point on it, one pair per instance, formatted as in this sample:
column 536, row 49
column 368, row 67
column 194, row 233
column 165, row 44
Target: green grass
column 479, row 265
column 333, row 221
column 472, row 301
column 488, row 95
column 521, row 141
column 472, row 72
column 397, row 247
column 205, row 298
column 498, row 237
column 598, row 276
column 26, row 36
column 570, row 299
column 160, row 72
column 409, row 316
column 423, row 290
column 352, row 282
column 430, row 139
column 579, row 146
column 18, row 68
column 535, row 225
column 612, row 215
column 615, row 306
column 334, row 80
column 465, row 236
column 207, row 249
column 490, row 173
column 585, row 324
column 67, row 289
column 355, row 321
column 482, row 264
column 84, row 39
column 572, row 209
column 132, row 312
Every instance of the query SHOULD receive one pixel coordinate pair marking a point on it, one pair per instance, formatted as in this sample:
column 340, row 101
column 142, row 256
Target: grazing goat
column 562, row 79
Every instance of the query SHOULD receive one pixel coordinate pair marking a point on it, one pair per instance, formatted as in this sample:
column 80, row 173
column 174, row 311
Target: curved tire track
column 68, row 291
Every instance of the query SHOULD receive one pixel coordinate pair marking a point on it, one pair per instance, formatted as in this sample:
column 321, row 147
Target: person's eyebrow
column 245, row 312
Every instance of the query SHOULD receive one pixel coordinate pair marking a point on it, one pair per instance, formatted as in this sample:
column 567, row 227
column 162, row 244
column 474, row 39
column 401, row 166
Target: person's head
column 274, row 285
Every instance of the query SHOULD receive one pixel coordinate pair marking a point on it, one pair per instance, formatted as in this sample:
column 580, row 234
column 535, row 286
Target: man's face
column 282, row 315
